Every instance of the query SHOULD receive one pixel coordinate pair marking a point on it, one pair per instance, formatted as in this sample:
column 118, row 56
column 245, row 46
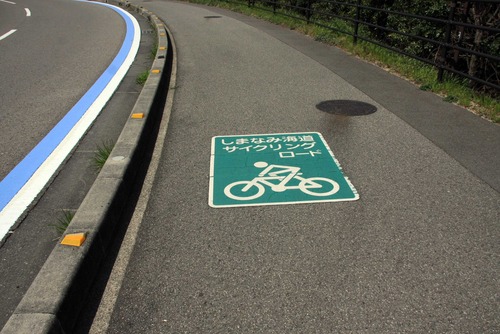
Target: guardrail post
column 442, row 56
column 356, row 22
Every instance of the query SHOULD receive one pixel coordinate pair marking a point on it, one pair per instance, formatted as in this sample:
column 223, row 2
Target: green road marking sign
column 272, row 169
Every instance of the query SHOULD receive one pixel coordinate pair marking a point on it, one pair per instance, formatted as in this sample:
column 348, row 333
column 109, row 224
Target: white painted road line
column 12, row 3
column 7, row 34
column 23, row 184
column 28, row 11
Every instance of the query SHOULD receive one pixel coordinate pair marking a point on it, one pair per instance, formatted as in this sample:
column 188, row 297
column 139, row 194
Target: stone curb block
column 55, row 298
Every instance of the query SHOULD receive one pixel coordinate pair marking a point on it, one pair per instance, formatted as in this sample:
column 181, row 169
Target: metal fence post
column 443, row 56
column 308, row 12
column 356, row 22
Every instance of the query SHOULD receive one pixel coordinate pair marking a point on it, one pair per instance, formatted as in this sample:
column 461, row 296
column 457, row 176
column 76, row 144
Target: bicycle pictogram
column 279, row 179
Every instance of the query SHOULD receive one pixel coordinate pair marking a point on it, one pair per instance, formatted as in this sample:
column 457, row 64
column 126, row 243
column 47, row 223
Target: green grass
column 63, row 221
column 142, row 77
column 424, row 76
column 154, row 47
column 154, row 50
column 101, row 154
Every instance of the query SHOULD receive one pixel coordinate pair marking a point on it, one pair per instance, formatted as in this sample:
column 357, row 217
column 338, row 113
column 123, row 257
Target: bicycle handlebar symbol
column 249, row 190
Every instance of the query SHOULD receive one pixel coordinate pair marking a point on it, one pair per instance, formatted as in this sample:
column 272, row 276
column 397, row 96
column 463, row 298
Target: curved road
column 417, row 253
column 51, row 60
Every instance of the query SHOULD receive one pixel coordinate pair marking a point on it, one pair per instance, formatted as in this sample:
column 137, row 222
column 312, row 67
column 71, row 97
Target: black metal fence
column 463, row 39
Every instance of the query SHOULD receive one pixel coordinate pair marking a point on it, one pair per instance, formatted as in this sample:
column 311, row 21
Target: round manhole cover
column 346, row 107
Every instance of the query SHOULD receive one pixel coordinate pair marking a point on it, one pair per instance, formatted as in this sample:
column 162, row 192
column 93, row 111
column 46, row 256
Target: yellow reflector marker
column 155, row 71
column 138, row 115
column 162, row 48
column 74, row 239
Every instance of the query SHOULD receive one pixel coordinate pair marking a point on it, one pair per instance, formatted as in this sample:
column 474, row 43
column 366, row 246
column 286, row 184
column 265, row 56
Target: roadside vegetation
column 453, row 89
column 142, row 77
column 101, row 154
column 63, row 221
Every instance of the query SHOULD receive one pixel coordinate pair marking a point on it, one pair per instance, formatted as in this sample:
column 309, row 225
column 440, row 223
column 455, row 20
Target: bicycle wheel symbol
column 244, row 190
column 321, row 186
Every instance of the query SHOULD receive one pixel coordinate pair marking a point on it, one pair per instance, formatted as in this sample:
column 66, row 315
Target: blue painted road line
column 21, row 174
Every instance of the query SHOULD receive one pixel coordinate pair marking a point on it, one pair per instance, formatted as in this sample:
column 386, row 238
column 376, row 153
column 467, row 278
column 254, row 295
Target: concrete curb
column 55, row 298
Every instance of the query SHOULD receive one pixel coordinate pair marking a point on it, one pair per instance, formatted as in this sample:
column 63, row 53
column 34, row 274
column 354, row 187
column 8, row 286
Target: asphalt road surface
column 52, row 59
column 418, row 252
column 54, row 56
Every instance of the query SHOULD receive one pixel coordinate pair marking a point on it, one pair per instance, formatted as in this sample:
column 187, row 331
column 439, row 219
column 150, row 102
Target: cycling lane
column 415, row 253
